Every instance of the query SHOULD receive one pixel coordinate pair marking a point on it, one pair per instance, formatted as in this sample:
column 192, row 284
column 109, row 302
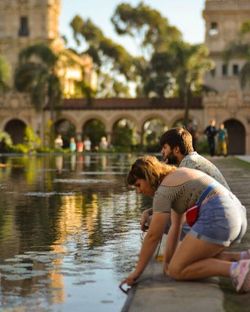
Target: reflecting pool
column 68, row 232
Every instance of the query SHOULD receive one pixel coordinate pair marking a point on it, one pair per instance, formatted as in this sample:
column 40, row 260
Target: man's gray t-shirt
column 195, row 161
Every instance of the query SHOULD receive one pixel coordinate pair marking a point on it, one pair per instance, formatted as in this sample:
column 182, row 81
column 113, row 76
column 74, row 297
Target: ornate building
column 231, row 105
column 25, row 22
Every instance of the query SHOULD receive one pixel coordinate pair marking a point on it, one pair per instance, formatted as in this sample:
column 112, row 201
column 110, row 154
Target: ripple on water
column 102, row 173
column 48, row 194
column 24, row 266
column 82, row 181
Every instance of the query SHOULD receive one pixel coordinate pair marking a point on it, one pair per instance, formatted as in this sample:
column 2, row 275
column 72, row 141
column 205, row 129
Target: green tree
column 147, row 26
column 109, row 57
column 190, row 62
column 153, row 36
column 158, row 81
column 36, row 74
column 4, row 75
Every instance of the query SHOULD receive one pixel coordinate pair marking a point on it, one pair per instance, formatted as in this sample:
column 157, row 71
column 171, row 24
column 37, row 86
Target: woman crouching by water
column 216, row 216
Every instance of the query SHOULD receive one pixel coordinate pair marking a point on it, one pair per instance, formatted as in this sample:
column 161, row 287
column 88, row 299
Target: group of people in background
column 80, row 145
column 217, row 139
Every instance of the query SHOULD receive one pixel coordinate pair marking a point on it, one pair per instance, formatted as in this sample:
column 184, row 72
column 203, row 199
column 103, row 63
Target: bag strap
column 205, row 193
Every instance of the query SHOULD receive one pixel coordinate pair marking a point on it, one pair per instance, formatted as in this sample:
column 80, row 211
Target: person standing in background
column 87, row 144
column 103, row 143
column 72, row 145
column 59, row 142
column 211, row 132
column 222, row 141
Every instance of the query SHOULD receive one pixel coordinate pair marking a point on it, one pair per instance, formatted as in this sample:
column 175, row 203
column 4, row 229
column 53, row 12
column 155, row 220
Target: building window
column 213, row 30
column 213, row 72
column 224, row 70
column 24, row 27
column 235, row 69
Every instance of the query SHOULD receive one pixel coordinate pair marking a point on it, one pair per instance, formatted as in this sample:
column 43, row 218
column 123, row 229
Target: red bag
column 192, row 215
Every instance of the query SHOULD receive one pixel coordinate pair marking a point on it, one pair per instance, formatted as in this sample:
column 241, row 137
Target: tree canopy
column 109, row 57
column 152, row 31
column 165, row 64
column 36, row 74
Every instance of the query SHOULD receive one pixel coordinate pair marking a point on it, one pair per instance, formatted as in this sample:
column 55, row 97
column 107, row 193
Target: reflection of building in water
column 104, row 161
column 87, row 160
column 69, row 223
column 56, row 278
column 73, row 162
column 90, row 223
column 59, row 163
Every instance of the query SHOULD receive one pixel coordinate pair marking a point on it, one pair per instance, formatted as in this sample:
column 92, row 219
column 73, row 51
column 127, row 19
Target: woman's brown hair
column 149, row 168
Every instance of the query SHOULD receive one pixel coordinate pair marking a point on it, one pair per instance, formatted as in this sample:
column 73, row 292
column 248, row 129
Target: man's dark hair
column 178, row 137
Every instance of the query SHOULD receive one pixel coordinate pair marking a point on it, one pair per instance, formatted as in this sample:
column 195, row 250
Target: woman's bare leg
column 195, row 259
column 229, row 256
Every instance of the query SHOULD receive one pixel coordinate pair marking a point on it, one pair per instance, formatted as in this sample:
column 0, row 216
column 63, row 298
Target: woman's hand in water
column 131, row 279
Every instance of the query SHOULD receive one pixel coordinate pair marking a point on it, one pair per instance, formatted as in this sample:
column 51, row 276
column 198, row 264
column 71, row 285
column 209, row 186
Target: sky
column 186, row 15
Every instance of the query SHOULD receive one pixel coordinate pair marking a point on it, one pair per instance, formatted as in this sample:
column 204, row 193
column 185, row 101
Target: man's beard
column 171, row 159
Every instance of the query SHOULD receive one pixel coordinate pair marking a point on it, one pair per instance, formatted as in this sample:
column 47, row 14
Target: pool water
column 69, row 232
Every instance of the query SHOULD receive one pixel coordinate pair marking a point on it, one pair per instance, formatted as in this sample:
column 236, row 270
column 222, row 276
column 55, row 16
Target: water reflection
column 68, row 232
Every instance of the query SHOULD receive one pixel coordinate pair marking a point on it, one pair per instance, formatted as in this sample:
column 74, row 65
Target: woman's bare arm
column 150, row 242
column 173, row 236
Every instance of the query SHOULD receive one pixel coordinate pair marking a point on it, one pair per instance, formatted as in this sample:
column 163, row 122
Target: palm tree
column 190, row 62
column 4, row 75
column 36, row 74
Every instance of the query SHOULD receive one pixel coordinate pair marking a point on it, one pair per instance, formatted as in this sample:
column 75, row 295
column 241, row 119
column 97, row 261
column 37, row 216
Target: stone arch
column 236, row 136
column 16, row 129
column 71, row 119
column 131, row 117
column 152, row 129
column 154, row 116
column 177, row 120
column 89, row 116
column 94, row 129
column 66, row 129
column 124, row 132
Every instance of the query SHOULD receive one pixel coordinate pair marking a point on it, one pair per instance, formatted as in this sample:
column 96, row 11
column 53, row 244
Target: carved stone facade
column 230, row 105
column 26, row 22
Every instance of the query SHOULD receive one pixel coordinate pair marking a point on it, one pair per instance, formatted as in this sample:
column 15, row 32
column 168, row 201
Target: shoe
column 245, row 255
column 241, row 276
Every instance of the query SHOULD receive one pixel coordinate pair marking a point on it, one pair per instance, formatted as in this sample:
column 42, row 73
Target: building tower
column 25, row 22
column 231, row 104
column 224, row 19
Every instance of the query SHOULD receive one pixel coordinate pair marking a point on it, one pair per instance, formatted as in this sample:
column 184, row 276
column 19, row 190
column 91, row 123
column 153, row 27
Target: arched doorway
column 94, row 129
column 152, row 131
column 236, row 137
column 16, row 129
column 124, row 134
column 66, row 129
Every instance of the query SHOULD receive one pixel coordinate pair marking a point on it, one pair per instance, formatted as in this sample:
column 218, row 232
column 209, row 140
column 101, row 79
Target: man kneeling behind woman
column 221, row 222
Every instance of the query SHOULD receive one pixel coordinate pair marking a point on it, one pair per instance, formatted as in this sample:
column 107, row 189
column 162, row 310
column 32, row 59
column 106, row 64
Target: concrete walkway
column 155, row 292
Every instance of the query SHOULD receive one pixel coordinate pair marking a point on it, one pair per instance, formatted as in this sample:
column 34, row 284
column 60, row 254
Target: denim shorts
column 222, row 220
